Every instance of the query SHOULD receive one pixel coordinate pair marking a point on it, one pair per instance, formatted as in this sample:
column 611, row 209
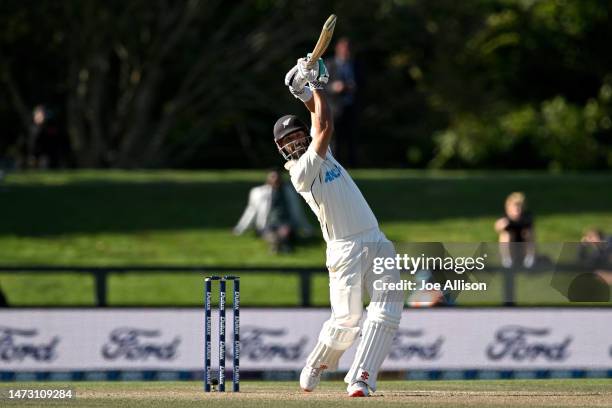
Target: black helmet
column 285, row 126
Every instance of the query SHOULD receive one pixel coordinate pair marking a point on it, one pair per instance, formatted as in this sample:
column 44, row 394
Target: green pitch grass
column 508, row 394
column 185, row 218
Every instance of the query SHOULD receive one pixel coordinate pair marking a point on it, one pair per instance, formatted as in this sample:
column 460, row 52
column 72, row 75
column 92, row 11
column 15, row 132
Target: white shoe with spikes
column 310, row 378
column 358, row 389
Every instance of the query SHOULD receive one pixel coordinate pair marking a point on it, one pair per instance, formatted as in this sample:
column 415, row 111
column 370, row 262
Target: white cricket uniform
column 353, row 240
column 332, row 194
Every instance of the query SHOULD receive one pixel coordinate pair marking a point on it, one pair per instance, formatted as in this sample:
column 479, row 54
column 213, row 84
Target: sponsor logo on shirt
column 331, row 175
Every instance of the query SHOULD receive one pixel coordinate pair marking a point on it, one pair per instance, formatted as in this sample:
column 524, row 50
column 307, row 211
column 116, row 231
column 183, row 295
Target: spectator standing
column 343, row 91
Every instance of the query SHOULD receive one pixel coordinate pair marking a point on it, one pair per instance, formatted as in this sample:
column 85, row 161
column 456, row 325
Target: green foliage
column 483, row 83
column 539, row 90
column 565, row 135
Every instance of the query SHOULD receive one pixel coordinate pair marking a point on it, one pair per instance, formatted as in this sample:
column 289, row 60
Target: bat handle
column 311, row 62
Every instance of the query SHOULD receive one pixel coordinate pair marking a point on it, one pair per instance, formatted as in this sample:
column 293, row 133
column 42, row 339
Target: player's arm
column 314, row 99
column 322, row 122
column 310, row 105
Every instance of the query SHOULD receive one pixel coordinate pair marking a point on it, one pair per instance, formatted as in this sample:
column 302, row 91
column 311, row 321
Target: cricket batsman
column 353, row 239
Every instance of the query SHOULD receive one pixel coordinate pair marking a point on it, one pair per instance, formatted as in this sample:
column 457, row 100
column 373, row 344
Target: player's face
column 294, row 145
column 287, row 140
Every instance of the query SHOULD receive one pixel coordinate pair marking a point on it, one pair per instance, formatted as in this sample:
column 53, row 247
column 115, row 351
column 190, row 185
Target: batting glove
column 317, row 76
column 297, row 84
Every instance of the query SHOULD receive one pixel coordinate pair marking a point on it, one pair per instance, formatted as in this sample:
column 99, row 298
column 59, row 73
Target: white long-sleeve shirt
column 332, row 194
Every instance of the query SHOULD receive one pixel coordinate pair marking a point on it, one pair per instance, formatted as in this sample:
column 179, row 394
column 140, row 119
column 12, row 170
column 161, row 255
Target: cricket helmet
column 283, row 128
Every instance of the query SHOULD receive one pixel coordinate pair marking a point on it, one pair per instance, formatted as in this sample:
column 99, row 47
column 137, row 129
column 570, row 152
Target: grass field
column 508, row 394
column 185, row 218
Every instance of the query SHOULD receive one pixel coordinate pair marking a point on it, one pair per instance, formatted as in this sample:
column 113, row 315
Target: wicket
column 208, row 332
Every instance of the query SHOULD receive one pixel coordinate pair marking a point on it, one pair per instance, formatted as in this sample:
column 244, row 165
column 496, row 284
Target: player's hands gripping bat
column 317, row 75
column 313, row 67
column 294, row 79
column 297, row 84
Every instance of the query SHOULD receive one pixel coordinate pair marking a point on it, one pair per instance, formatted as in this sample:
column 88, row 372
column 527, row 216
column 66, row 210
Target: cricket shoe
column 358, row 389
column 310, row 377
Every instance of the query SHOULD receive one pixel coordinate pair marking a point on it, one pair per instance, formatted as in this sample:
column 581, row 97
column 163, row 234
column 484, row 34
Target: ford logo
column 14, row 348
column 139, row 345
column 520, row 343
column 409, row 344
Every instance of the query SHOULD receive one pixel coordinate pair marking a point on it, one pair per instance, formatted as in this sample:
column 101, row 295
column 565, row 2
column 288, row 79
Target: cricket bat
column 324, row 39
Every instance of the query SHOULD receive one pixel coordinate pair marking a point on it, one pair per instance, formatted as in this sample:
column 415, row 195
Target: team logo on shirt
column 331, row 175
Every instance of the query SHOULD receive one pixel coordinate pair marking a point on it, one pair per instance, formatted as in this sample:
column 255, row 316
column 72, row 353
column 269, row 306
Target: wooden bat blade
column 324, row 39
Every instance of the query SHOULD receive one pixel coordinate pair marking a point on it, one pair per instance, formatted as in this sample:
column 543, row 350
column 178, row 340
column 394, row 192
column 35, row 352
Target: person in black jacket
column 516, row 233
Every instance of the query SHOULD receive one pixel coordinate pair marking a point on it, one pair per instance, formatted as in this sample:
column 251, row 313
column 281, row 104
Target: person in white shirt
column 275, row 212
column 353, row 239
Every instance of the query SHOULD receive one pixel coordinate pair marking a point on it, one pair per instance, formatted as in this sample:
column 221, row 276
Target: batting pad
column 333, row 342
column 378, row 332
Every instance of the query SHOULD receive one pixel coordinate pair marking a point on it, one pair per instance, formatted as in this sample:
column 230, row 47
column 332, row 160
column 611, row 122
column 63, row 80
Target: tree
column 134, row 71
column 197, row 83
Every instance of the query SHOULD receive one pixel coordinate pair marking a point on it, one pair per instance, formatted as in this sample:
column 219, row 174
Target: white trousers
column 351, row 277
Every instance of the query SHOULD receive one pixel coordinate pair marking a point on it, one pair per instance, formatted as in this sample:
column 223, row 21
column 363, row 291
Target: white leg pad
column 333, row 342
column 378, row 332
